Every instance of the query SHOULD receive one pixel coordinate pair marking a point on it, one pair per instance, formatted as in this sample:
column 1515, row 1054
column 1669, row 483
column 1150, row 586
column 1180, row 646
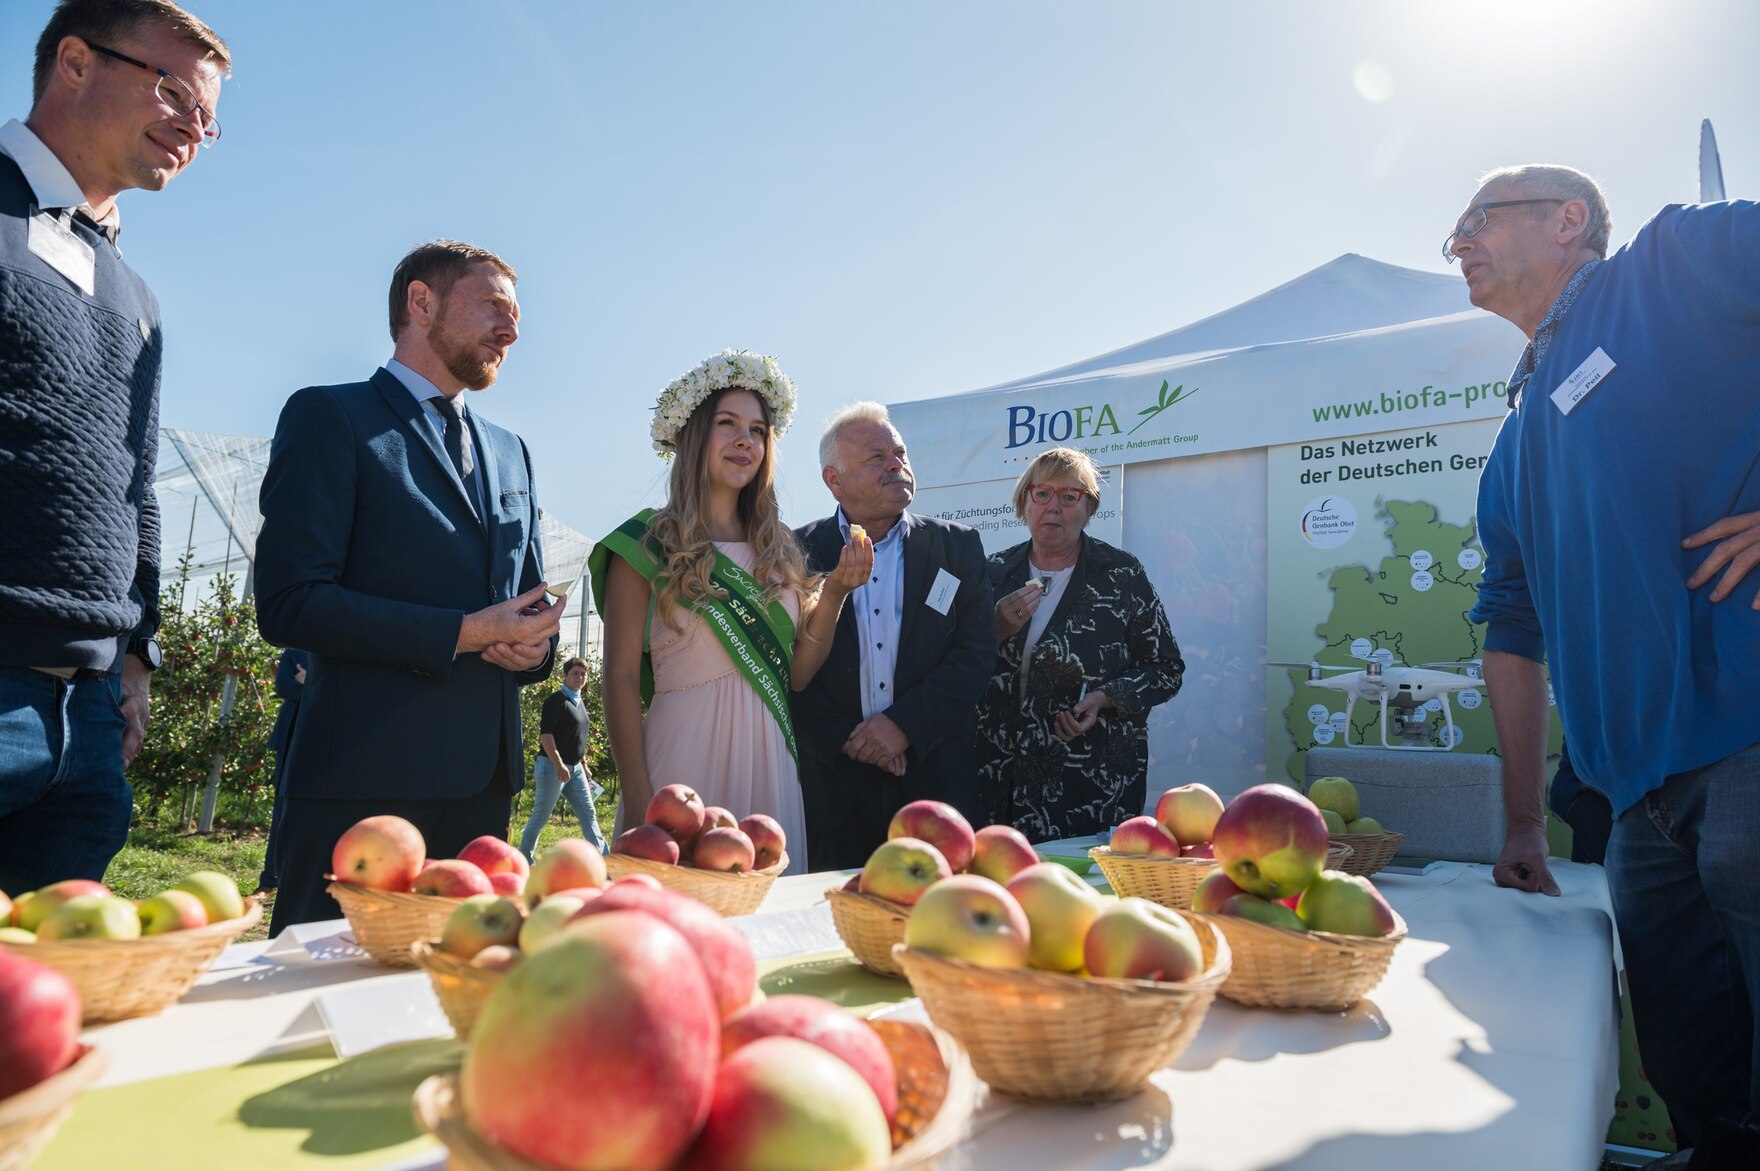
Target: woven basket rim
column 648, row 864
column 405, row 898
column 1353, row 840
column 165, row 941
column 57, row 1089
column 428, row 956
column 1329, row 940
column 1099, row 852
column 871, row 902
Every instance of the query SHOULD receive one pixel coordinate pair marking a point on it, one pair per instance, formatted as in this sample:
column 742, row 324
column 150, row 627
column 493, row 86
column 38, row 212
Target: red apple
column 37, row 906
column 972, row 919
column 854, row 885
column 782, row 1104
column 768, row 840
column 615, row 1012
column 1060, row 908
column 678, row 810
column 380, row 853
column 481, row 921
column 1216, row 889
column 39, row 1023
column 902, row 869
column 1346, row 904
column 92, row 917
column 999, row 852
column 647, row 880
column 1144, row 837
column 819, row 1022
column 647, row 841
column 496, row 958
column 171, row 910
column 1271, row 841
column 720, row 848
column 508, row 884
column 5, row 910
column 1201, row 850
column 493, row 856
column 451, row 879
column 569, row 863
column 1258, row 910
column 1134, row 939
column 1189, row 813
column 939, row 824
column 715, row 817
column 724, row 953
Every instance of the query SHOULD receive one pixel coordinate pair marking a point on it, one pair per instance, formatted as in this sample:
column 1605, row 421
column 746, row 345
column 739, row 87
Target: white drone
column 1405, row 689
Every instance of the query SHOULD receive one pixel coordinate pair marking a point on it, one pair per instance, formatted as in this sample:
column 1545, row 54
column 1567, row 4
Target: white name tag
column 1582, row 380
column 941, row 594
column 63, row 251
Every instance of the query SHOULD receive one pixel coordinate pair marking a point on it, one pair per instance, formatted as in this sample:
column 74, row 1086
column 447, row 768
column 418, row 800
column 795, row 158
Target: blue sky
column 899, row 200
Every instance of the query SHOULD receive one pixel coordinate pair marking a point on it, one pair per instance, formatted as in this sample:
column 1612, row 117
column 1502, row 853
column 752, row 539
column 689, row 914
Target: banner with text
column 989, row 508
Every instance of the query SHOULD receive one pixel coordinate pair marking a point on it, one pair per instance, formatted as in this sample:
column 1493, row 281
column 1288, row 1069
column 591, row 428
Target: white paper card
column 775, row 935
column 324, row 941
column 1582, row 380
column 371, row 1014
column 941, row 594
column 64, row 252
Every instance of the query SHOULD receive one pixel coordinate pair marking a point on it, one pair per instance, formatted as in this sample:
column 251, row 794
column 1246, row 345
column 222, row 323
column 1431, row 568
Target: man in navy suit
column 889, row 718
column 400, row 548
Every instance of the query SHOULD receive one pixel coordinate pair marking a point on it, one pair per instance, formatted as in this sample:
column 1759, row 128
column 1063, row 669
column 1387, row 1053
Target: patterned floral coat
column 1109, row 631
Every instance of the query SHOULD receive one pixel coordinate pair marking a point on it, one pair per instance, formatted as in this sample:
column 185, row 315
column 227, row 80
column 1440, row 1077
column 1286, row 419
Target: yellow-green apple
column 1364, row 825
column 783, row 1104
column 616, row 1011
column 999, row 852
column 1201, row 850
column 724, row 953
column 572, row 862
column 1336, row 794
column 545, row 921
column 380, row 853
column 508, row 884
column 1060, row 908
column 1144, row 837
column 18, row 907
column 970, row 918
column 494, row 856
column 5, row 910
column 1345, row 904
column 1134, row 939
column 39, row 1023
column 1271, row 841
column 901, row 869
column 17, row 935
column 647, row 841
column 1334, row 823
column 1258, row 910
column 939, row 824
column 768, row 840
column 1216, row 889
column 92, row 917
column 836, row 1030
column 678, row 810
column 38, row 905
column 450, row 878
column 218, row 892
column 496, row 958
column 1189, row 812
column 723, row 849
column 481, row 921
column 171, row 910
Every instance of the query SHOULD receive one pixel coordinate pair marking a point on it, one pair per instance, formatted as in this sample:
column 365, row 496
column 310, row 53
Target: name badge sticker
column 64, row 252
column 941, row 594
column 1582, row 380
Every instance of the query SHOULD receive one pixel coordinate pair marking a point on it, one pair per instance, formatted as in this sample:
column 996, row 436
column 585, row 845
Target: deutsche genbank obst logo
column 1329, row 521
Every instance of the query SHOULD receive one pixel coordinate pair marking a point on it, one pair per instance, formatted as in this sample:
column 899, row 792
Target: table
column 1492, row 1042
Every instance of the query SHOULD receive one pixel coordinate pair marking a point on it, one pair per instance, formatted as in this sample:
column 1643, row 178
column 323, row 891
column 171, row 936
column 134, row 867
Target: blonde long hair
column 681, row 528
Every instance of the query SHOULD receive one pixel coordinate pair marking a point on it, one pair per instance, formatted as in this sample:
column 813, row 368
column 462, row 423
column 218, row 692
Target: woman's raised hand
column 1015, row 610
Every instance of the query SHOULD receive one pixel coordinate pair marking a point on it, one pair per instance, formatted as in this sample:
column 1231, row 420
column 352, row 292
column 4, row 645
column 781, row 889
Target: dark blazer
column 944, row 661
column 290, row 691
column 369, row 557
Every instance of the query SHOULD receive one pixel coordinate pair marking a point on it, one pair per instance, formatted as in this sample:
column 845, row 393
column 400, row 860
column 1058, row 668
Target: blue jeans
column 545, row 789
column 1683, row 866
column 64, row 804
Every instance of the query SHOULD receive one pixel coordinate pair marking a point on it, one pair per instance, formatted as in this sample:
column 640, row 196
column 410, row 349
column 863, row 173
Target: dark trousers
column 843, row 832
column 270, row 878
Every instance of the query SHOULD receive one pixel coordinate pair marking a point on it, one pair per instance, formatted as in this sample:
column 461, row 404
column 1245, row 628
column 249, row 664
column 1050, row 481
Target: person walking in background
column 1083, row 654
column 400, row 548
column 123, row 97
column 560, row 768
column 290, row 685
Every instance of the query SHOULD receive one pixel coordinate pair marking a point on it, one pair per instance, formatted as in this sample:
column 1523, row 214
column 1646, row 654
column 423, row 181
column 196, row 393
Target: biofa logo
column 1027, row 424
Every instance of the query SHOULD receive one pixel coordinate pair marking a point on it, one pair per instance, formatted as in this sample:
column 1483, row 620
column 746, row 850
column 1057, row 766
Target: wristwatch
column 147, row 651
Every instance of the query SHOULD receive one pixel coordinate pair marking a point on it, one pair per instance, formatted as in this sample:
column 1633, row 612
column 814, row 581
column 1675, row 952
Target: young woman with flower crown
column 709, row 614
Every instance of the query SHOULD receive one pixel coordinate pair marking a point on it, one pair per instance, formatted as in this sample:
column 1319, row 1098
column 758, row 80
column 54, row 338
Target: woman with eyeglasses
column 1083, row 654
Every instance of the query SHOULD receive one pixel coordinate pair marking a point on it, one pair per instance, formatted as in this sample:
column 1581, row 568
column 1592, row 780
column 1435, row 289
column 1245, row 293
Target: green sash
column 759, row 637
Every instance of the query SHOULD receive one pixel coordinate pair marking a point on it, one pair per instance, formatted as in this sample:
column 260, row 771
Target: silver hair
column 1559, row 182
column 864, row 412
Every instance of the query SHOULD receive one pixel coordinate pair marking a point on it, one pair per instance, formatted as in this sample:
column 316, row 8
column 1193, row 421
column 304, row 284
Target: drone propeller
column 1313, row 667
column 1457, row 665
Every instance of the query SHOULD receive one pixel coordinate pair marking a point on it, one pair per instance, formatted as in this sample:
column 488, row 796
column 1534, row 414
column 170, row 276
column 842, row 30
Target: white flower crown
column 757, row 373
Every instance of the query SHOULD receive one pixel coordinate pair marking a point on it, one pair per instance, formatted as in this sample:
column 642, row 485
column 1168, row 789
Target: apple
column 1258, row 910
column 39, row 1023
column 1216, row 889
column 1271, row 841
column 939, row 824
column 493, row 856
column 972, row 919
column 1345, row 904
column 481, row 921
column 451, row 879
column 380, row 853
column 572, row 862
column 615, row 1012
column 647, row 880
column 720, row 848
column 1201, row 850
column 1189, row 813
column 507, row 884
column 5, row 909
column 783, row 1104
column 1334, row 823
column 171, row 910
column 724, row 953
column 1060, row 908
column 18, row 907
column 92, row 917
column 38, row 905
column 545, row 921
column 715, row 817
column 836, row 1030
column 1134, row 939
column 1144, row 837
column 1364, row 825
column 999, row 852
column 496, row 958
column 218, row 892
column 901, row 869
column 1336, row 794
column 647, row 841
column 767, row 839
column 17, row 935
column 678, row 810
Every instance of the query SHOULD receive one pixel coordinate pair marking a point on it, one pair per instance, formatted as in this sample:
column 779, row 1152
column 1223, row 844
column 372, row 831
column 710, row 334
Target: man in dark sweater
column 124, row 95
column 560, row 768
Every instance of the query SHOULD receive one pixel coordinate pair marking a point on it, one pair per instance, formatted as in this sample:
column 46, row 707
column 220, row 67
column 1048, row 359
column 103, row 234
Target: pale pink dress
column 708, row 728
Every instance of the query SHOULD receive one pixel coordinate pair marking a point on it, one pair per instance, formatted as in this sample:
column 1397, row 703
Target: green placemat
column 834, row 976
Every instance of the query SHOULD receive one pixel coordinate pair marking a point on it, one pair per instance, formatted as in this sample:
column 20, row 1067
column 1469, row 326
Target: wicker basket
column 1171, row 881
column 30, row 1118
column 460, row 988
column 1369, row 852
column 869, row 927
column 387, row 922
column 729, row 894
column 1275, row 967
column 119, row 979
column 936, row 1092
column 1049, row 1037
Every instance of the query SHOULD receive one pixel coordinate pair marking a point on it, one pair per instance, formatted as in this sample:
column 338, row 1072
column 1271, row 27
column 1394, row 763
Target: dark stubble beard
column 460, row 355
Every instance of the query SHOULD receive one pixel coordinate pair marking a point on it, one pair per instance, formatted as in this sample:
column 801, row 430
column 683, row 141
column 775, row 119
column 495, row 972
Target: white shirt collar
column 52, row 184
column 417, row 384
column 898, row 526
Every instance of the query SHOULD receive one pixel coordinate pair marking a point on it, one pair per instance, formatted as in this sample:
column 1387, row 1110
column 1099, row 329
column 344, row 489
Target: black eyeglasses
column 1474, row 221
column 173, row 91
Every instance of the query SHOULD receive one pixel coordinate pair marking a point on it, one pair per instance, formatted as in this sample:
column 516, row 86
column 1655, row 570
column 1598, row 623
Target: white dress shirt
column 52, row 184
column 425, row 393
column 879, row 614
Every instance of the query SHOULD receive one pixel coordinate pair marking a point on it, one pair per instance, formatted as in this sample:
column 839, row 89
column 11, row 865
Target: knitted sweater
column 79, row 434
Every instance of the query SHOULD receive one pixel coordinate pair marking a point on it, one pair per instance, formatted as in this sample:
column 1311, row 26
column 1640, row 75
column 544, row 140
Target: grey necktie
column 458, row 446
